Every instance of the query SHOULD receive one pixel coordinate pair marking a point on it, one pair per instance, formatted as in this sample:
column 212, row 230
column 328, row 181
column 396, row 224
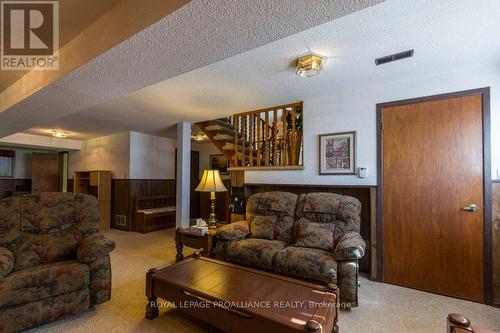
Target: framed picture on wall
column 218, row 162
column 337, row 153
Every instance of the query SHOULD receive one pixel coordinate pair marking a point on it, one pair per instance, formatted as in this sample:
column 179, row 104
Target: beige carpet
column 384, row 308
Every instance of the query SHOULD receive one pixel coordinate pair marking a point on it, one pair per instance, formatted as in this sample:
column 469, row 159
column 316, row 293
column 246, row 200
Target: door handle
column 472, row 208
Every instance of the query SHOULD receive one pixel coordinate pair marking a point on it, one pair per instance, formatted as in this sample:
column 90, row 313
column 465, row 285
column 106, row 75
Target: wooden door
column 432, row 155
column 45, row 176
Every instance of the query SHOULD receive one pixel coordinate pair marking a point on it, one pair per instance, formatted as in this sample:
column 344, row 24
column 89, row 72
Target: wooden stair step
column 221, row 123
column 222, row 130
column 230, row 147
column 226, row 137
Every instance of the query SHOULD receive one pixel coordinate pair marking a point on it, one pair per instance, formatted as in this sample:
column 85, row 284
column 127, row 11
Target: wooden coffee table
column 240, row 299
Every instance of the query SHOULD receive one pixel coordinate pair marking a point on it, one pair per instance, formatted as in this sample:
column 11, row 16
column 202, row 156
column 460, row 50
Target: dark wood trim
column 310, row 185
column 488, row 200
column 125, row 190
column 14, row 186
column 380, row 182
column 488, row 254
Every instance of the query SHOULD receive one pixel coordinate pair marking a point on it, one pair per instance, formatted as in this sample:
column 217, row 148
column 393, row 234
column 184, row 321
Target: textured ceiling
column 446, row 35
column 75, row 16
column 198, row 34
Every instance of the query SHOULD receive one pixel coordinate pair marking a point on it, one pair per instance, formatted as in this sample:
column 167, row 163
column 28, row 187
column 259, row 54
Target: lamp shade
column 211, row 182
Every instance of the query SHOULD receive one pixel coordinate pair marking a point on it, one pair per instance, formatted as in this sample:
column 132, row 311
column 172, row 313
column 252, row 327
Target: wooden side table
column 185, row 237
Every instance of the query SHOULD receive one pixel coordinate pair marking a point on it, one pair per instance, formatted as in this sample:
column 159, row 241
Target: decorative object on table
column 337, row 153
column 211, row 182
column 201, row 223
column 199, row 229
column 191, row 237
column 219, row 162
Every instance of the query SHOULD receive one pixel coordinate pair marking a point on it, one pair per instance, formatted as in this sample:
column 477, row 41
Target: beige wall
column 110, row 153
column 151, row 157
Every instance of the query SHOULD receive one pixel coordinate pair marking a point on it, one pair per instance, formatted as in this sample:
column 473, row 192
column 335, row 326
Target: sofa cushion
column 343, row 210
column 233, row 231
column 254, row 252
column 35, row 283
column 263, row 227
column 6, row 262
column 45, row 213
column 35, row 249
column 307, row 263
column 279, row 204
column 315, row 235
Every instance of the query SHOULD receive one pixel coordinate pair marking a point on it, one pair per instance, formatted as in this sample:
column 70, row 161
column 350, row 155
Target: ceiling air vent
column 394, row 57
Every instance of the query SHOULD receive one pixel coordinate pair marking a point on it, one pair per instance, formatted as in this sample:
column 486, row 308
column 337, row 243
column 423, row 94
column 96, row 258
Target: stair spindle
column 284, row 160
column 266, row 139
column 235, row 125
column 275, row 137
column 243, row 140
column 293, row 139
column 259, row 139
column 250, row 141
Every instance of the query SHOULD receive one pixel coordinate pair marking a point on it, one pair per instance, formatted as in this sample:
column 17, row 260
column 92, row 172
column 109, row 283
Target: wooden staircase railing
column 268, row 138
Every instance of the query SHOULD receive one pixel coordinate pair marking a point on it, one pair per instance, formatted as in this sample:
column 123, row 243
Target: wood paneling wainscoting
column 9, row 186
column 123, row 192
column 365, row 194
column 496, row 241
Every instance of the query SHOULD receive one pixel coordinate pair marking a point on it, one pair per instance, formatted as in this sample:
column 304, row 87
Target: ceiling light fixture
column 199, row 137
column 59, row 134
column 309, row 65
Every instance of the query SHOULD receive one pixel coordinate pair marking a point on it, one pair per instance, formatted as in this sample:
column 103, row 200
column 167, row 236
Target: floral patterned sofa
column 313, row 236
column 53, row 262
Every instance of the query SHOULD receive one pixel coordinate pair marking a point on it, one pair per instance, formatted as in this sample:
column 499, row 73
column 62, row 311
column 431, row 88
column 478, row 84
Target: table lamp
column 211, row 182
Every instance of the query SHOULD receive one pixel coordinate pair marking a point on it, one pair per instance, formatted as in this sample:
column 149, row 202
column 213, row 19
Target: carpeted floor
column 383, row 308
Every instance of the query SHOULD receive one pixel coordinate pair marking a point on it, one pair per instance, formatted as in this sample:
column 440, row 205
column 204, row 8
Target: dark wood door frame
column 488, row 250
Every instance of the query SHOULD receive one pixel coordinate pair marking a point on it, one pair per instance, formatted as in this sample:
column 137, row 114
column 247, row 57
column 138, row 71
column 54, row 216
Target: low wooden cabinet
column 98, row 184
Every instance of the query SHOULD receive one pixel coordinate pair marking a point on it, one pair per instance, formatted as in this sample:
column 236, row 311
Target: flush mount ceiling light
column 309, row 65
column 199, row 137
column 59, row 134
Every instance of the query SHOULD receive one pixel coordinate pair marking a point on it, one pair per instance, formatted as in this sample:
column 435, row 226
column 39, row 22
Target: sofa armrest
column 6, row 262
column 350, row 247
column 233, row 231
column 94, row 246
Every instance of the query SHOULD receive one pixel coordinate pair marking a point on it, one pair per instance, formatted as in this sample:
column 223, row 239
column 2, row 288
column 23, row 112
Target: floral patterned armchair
column 53, row 262
column 313, row 236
